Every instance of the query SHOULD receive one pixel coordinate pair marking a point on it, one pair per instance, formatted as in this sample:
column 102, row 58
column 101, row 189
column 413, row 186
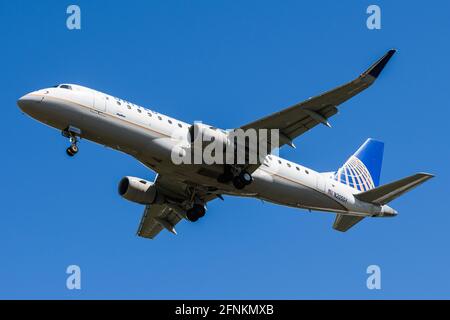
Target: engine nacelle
column 140, row 191
column 207, row 134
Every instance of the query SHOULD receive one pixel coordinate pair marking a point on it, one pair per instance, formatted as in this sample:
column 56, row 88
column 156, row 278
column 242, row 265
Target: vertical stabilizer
column 362, row 170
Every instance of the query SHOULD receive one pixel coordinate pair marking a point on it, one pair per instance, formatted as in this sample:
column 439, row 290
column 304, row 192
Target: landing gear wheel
column 246, row 177
column 72, row 150
column 238, row 183
column 242, row 180
column 196, row 212
column 201, row 211
column 191, row 215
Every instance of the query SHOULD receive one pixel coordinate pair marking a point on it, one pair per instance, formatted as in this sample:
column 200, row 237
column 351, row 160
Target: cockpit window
column 65, row 86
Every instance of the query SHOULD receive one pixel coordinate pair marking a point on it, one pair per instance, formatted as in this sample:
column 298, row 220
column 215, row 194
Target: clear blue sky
column 225, row 63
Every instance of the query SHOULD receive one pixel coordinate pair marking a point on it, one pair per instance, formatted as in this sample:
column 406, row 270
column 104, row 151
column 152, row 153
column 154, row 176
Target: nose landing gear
column 73, row 149
column 72, row 133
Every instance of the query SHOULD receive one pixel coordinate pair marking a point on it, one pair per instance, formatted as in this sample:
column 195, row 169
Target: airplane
column 182, row 191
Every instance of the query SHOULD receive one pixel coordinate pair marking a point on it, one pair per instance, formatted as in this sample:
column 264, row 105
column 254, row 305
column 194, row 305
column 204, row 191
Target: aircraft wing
column 301, row 117
column 157, row 217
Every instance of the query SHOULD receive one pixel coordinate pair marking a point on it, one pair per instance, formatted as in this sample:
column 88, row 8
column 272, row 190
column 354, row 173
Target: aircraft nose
column 29, row 102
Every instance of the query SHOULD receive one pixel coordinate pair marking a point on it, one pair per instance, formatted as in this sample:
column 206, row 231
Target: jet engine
column 207, row 134
column 206, row 141
column 139, row 190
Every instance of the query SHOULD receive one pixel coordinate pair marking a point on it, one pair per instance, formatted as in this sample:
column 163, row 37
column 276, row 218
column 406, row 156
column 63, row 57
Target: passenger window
column 180, row 125
column 129, row 107
column 288, row 164
column 149, row 114
column 298, row 169
column 307, row 172
column 279, row 161
column 159, row 117
column 170, row 121
column 139, row 110
column 118, row 103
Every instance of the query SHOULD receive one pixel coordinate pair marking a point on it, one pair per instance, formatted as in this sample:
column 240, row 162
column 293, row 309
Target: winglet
column 378, row 66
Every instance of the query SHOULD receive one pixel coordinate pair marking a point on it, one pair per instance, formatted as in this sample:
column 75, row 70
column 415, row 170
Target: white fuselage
column 150, row 137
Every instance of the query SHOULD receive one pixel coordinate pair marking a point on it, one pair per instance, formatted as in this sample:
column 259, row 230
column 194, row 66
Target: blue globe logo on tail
column 362, row 170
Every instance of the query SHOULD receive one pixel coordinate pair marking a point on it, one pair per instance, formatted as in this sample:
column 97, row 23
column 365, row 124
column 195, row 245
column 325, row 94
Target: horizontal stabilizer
column 344, row 222
column 388, row 192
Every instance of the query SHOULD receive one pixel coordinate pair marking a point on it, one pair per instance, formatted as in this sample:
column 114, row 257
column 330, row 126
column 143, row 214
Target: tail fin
column 388, row 192
column 362, row 170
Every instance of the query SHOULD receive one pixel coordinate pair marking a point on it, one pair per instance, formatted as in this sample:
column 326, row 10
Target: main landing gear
column 72, row 133
column 242, row 179
column 239, row 178
column 196, row 212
